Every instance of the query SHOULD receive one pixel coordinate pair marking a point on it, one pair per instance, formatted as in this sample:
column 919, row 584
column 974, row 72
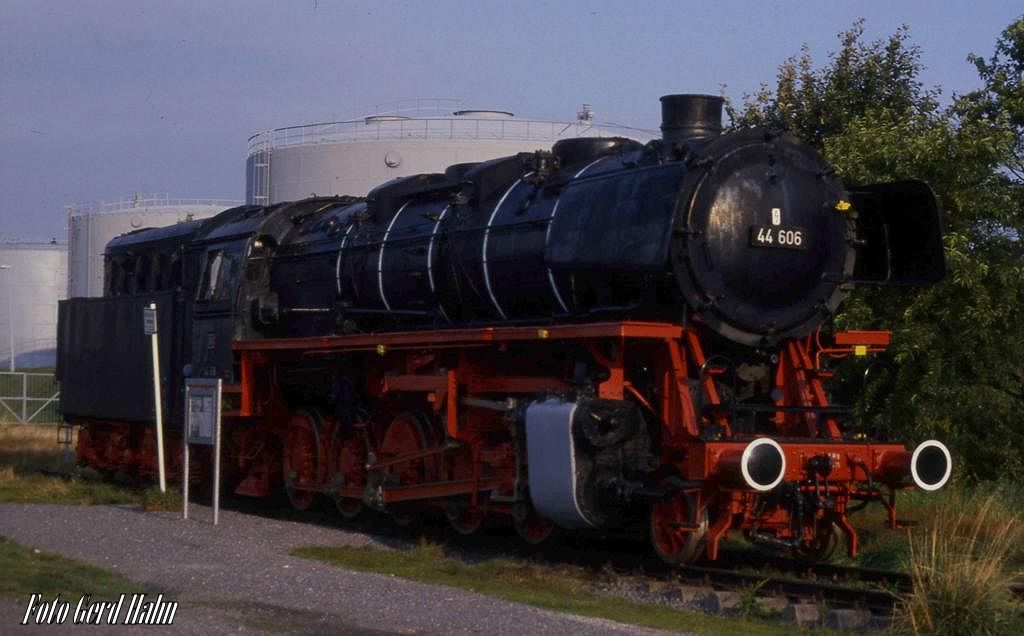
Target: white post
column 157, row 401
column 216, row 459
column 10, row 318
column 10, row 313
column 184, row 467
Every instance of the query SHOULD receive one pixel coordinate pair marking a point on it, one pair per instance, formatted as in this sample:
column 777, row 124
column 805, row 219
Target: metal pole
column 216, row 458
column 159, row 408
column 10, row 313
column 184, row 467
column 10, row 318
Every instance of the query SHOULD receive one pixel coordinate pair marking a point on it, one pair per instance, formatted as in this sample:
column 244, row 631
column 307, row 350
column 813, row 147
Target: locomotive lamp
column 929, row 465
column 761, row 465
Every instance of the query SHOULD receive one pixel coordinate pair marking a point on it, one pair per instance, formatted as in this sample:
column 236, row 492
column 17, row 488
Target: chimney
column 689, row 117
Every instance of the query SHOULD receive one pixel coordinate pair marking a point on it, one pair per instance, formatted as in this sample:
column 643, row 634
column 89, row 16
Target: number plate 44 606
column 790, row 238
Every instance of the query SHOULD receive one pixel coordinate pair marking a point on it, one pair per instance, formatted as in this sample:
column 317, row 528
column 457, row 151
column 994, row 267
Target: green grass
column 155, row 501
column 886, row 548
column 28, row 571
column 964, row 564
column 25, row 449
column 44, row 489
column 559, row 588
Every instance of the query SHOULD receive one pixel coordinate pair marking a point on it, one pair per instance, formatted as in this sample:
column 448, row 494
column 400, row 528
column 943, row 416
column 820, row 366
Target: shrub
column 963, row 566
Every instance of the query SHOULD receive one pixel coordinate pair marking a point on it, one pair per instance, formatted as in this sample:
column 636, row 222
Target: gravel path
column 239, row 578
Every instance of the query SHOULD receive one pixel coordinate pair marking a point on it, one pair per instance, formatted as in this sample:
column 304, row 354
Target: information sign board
column 202, row 426
column 202, row 398
column 149, row 320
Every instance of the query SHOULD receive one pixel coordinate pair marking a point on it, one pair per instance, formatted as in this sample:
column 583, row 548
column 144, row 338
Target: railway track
column 831, row 585
column 879, row 602
column 765, row 575
column 893, row 581
column 834, row 586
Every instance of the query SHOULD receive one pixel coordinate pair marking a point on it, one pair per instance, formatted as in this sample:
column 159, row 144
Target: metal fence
column 29, row 398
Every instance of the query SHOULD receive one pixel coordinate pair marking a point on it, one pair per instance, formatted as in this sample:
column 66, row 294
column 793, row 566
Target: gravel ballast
column 238, row 577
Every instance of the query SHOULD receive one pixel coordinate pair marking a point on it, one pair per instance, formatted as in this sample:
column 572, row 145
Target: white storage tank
column 353, row 156
column 33, row 277
column 92, row 225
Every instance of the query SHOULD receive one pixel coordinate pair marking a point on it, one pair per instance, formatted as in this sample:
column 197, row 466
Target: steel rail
column 877, row 601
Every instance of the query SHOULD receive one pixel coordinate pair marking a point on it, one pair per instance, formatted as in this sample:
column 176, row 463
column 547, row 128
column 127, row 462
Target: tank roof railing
column 139, row 201
column 415, row 107
column 434, row 128
column 7, row 242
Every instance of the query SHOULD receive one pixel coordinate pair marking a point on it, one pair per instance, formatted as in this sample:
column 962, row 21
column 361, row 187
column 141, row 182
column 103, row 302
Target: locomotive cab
column 215, row 309
column 235, row 296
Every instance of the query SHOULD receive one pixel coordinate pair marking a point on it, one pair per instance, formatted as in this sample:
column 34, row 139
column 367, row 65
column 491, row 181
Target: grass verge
column 28, row 571
column 558, row 588
column 964, row 564
column 44, row 489
column 155, row 501
column 27, row 449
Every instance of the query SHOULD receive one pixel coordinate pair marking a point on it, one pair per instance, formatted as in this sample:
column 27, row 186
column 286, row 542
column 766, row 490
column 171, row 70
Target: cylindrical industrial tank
column 92, row 225
column 33, row 277
column 353, row 156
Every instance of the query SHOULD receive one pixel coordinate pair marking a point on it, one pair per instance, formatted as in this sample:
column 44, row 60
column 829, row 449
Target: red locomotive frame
column 440, row 436
column 438, row 429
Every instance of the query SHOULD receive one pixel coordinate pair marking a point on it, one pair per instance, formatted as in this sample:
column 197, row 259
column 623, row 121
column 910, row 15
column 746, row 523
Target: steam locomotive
column 601, row 335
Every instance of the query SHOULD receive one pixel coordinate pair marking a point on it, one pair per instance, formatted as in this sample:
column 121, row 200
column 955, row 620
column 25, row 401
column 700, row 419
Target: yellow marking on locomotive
column 860, row 350
column 543, row 334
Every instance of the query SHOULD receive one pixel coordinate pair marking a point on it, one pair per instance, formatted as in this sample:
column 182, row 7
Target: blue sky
column 101, row 98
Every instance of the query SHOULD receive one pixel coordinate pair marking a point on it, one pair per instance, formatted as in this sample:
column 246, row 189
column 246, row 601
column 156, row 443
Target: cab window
column 219, row 276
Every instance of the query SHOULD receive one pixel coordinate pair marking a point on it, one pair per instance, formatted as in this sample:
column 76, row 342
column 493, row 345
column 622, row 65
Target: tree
column 818, row 104
column 959, row 346
column 1001, row 101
